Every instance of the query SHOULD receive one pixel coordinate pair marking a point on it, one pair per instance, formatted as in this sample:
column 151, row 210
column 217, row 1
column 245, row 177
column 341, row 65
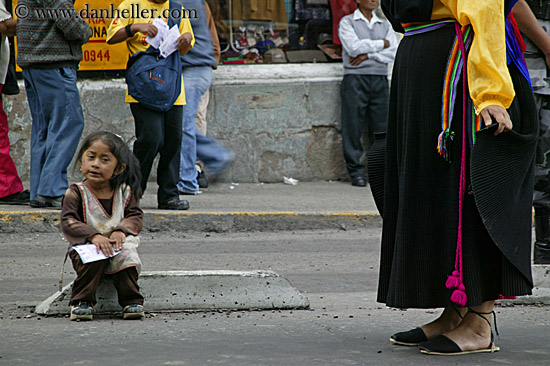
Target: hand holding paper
column 162, row 28
column 170, row 42
column 88, row 253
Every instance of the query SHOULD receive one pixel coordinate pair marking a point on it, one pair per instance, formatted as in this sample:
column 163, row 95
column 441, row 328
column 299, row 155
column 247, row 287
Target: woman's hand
column 496, row 113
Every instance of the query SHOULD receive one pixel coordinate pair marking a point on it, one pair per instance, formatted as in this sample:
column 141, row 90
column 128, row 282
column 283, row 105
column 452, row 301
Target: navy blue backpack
column 153, row 80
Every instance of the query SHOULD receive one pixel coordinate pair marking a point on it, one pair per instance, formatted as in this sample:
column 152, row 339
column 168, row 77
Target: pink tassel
column 453, row 281
column 459, row 296
column 507, row 297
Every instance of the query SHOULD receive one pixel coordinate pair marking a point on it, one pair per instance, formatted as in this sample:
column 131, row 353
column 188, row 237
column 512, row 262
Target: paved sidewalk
column 229, row 207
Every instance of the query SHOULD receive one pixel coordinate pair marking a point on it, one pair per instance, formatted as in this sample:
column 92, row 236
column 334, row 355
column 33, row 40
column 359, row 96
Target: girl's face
column 98, row 164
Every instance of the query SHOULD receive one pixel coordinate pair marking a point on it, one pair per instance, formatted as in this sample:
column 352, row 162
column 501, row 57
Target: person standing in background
column 369, row 44
column 537, row 56
column 11, row 187
column 198, row 65
column 49, row 52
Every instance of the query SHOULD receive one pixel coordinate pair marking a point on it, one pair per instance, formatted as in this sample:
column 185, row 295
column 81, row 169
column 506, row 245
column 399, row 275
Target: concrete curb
column 194, row 290
column 541, row 290
column 47, row 221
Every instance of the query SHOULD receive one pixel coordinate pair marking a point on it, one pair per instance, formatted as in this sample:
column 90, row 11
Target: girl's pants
column 89, row 275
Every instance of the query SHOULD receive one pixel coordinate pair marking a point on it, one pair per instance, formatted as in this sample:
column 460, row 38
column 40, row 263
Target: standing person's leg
column 39, row 129
column 541, row 199
column 169, row 163
column 59, row 99
column 201, row 125
column 196, row 80
column 149, row 138
column 200, row 117
column 377, row 109
column 214, row 156
column 353, row 111
column 10, row 183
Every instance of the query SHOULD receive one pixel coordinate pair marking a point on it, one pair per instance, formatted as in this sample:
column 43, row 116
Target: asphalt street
column 336, row 269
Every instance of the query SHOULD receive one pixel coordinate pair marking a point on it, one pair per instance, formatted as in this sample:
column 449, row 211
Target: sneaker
column 81, row 311
column 133, row 311
column 190, row 193
column 46, row 202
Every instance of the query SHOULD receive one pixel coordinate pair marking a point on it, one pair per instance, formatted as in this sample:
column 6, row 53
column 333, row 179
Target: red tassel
column 453, row 281
column 459, row 296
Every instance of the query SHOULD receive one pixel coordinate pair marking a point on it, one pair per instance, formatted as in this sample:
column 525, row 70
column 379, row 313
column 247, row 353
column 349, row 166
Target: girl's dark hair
column 131, row 175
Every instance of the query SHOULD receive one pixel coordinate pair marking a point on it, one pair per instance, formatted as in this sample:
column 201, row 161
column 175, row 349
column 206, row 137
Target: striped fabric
column 455, row 64
column 53, row 37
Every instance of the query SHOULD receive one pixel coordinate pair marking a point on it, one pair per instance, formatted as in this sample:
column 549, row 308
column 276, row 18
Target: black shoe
column 46, row 202
column 20, row 198
column 358, row 181
column 176, row 204
column 202, row 180
column 443, row 345
column 412, row 337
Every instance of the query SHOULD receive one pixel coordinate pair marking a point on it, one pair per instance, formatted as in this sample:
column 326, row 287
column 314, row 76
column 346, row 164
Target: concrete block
column 194, row 290
column 541, row 289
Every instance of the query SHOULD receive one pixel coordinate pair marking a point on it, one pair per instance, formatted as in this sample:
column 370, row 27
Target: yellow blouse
column 488, row 77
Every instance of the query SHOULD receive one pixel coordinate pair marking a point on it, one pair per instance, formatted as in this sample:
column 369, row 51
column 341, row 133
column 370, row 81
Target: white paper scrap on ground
column 168, row 45
column 290, row 181
column 88, row 253
column 162, row 28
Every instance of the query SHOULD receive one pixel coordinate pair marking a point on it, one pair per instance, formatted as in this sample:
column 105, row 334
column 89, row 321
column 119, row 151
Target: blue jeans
column 214, row 156
column 57, row 123
column 196, row 80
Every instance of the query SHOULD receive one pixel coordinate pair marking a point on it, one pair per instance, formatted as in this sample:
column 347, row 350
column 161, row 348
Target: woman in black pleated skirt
column 421, row 202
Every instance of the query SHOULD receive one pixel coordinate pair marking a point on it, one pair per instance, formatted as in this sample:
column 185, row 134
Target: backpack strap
column 175, row 8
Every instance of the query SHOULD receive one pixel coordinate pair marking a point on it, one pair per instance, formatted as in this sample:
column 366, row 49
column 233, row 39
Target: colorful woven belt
column 453, row 71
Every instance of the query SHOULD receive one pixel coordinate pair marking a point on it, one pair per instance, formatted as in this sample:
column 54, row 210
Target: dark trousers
column 159, row 132
column 364, row 101
column 90, row 274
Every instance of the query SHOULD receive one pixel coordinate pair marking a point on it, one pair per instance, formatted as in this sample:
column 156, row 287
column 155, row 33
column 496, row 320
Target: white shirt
column 354, row 46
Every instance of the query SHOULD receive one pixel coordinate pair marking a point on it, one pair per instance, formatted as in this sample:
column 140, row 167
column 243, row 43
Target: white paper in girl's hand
column 162, row 28
column 88, row 253
column 169, row 44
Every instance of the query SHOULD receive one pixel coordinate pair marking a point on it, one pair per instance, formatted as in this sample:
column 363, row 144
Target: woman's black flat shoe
column 411, row 337
column 442, row 345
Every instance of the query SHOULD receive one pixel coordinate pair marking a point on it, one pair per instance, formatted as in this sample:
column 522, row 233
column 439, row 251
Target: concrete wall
column 278, row 119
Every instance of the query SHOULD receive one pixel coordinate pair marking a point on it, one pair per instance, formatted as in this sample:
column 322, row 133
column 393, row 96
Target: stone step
column 194, row 291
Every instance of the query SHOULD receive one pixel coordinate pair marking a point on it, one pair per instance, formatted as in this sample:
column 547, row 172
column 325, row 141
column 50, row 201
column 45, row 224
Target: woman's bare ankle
column 449, row 319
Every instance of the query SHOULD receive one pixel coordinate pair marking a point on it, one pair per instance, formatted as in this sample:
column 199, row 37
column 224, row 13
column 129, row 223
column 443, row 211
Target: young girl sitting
column 104, row 210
